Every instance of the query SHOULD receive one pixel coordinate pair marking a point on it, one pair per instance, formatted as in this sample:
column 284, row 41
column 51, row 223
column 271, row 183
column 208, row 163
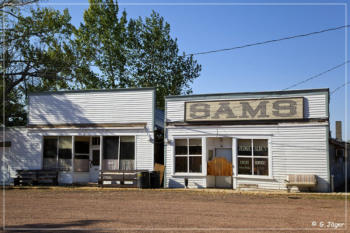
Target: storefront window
column 50, row 153
column 188, row 155
column 110, row 153
column 65, row 153
column 252, row 157
column 118, row 153
column 127, row 153
column 57, row 152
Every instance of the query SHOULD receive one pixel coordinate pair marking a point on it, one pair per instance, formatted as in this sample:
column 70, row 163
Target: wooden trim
column 87, row 125
column 272, row 93
column 249, row 122
column 5, row 144
column 92, row 90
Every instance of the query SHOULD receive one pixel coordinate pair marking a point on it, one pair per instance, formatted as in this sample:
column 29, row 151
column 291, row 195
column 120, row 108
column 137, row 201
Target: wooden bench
column 298, row 181
column 36, row 177
column 124, row 178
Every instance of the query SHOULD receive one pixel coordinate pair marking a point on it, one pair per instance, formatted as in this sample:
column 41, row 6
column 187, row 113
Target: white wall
column 24, row 153
column 144, row 153
column 295, row 149
column 119, row 106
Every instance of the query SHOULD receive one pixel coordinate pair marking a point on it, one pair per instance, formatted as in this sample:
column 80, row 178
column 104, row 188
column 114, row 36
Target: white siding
column 134, row 106
column 295, row 149
column 315, row 106
column 144, row 153
column 24, row 153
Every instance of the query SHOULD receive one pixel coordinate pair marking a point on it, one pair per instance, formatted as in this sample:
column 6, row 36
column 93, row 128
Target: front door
column 94, row 159
column 94, row 165
column 221, row 167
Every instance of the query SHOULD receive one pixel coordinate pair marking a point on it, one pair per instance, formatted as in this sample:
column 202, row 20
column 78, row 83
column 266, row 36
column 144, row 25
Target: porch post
column 234, row 163
column 204, row 155
column 73, row 154
column 101, row 148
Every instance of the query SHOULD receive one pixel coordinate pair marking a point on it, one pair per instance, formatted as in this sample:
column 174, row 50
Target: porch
column 79, row 159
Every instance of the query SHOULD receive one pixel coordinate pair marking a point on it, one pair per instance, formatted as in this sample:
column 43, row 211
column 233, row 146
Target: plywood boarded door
column 221, row 164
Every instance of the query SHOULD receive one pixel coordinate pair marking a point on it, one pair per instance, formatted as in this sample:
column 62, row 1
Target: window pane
column 180, row 164
column 81, row 163
column 244, row 147
column 65, row 147
column 50, row 147
column 49, row 163
column 260, row 147
column 82, row 150
column 110, row 153
column 195, row 164
column 127, row 153
column 50, row 153
column 95, row 141
column 65, row 164
column 245, row 166
column 110, row 147
column 195, row 147
column 81, row 145
column 181, row 146
column 95, row 158
column 261, row 167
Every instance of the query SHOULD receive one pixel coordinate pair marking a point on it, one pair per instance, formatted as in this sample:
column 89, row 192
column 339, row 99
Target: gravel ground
column 168, row 210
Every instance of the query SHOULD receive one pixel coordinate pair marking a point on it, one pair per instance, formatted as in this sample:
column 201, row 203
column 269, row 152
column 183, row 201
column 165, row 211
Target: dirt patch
column 166, row 210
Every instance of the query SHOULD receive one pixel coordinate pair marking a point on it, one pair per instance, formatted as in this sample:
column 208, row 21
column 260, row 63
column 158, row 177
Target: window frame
column 57, row 167
column 119, row 136
column 268, row 157
column 188, row 173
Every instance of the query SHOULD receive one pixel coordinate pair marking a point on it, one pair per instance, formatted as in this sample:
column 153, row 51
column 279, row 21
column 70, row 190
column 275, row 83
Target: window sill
column 189, row 175
column 254, row 177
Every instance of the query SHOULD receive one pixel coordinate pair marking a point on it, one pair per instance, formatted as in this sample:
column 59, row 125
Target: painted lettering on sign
column 234, row 110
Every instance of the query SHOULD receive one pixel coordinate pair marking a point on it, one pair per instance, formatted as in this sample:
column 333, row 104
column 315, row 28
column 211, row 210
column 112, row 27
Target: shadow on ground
column 58, row 227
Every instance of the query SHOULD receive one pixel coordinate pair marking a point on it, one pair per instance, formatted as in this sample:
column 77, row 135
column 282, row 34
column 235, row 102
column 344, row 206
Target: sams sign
column 238, row 110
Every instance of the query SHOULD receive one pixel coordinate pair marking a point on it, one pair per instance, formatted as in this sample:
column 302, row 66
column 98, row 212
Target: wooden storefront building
column 81, row 133
column 257, row 140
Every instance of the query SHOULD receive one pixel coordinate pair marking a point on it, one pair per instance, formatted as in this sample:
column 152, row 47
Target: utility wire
column 268, row 41
column 315, row 76
column 340, row 87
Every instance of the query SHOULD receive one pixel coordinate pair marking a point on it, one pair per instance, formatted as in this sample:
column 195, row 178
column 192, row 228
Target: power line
column 268, row 41
column 340, row 87
column 315, row 76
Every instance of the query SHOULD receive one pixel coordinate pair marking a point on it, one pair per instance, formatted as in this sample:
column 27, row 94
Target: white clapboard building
column 263, row 140
column 82, row 132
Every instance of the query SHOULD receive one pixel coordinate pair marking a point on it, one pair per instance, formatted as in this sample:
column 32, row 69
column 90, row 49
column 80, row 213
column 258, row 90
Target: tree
column 101, row 39
column 44, row 51
column 9, row 6
column 155, row 60
column 134, row 53
column 38, row 53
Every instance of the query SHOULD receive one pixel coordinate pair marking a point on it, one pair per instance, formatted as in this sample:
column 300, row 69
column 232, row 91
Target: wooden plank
column 219, row 167
column 102, row 125
column 160, row 167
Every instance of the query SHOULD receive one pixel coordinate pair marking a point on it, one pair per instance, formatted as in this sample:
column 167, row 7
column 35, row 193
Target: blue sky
column 259, row 68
